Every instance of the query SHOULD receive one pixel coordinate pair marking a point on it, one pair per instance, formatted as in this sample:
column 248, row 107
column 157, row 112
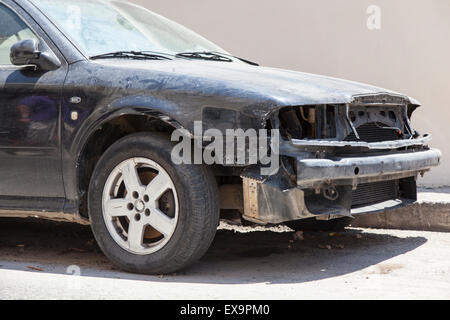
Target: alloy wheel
column 140, row 206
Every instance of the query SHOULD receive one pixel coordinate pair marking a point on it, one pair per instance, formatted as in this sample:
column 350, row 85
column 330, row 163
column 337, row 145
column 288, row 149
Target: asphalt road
column 48, row 260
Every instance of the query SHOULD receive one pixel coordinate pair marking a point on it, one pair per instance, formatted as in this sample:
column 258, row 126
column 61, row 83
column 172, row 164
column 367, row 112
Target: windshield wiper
column 139, row 55
column 241, row 59
column 204, row 55
column 214, row 56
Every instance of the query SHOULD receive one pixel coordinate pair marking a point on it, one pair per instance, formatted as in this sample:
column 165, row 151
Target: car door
column 30, row 133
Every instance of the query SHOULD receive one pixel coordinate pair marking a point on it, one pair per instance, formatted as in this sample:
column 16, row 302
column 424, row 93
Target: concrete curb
column 430, row 213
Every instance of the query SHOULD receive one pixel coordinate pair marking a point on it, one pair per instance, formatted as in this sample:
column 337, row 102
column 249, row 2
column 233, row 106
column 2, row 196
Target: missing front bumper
column 276, row 199
column 312, row 173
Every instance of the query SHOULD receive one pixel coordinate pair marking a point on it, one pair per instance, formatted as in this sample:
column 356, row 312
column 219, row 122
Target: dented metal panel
column 273, row 199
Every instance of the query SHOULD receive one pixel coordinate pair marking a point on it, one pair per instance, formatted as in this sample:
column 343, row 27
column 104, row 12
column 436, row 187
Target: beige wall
column 410, row 54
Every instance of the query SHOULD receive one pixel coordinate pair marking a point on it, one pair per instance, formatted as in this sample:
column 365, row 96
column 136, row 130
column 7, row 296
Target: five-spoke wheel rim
column 140, row 206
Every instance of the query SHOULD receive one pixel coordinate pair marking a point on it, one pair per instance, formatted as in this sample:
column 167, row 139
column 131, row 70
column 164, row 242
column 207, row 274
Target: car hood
column 281, row 87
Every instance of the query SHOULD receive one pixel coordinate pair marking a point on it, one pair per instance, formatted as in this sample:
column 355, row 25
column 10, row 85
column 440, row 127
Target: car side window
column 12, row 30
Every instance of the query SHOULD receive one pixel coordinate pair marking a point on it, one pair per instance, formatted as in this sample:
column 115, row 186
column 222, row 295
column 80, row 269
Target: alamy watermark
column 232, row 147
column 374, row 19
column 74, row 280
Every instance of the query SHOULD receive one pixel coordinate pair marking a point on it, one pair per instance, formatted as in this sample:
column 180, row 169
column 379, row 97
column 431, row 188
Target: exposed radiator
column 374, row 132
column 375, row 192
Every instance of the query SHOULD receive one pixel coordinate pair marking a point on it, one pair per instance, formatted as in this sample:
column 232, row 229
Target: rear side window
column 12, row 30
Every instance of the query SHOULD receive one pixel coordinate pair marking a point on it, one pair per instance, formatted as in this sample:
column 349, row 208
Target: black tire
column 198, row 213
column 312, row 224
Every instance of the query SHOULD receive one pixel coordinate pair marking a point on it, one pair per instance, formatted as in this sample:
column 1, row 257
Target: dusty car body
column 346, row 148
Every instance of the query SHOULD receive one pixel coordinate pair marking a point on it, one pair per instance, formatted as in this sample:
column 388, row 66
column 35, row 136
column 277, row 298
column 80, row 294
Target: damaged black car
column 92, row 92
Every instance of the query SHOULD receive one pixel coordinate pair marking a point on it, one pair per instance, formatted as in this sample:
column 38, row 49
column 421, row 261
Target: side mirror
column 26, row 52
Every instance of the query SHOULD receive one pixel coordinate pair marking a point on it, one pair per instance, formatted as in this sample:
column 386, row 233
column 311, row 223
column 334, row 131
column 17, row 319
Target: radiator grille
column 374, row 132
column 370, row 193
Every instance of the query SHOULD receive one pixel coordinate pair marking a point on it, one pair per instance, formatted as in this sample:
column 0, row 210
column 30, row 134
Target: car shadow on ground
column 254, row 257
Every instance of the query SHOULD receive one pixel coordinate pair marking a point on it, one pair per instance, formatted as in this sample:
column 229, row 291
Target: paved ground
column 35, row 260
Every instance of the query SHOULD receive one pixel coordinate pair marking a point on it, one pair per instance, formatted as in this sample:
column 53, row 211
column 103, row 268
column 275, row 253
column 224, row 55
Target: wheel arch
column 107, row 130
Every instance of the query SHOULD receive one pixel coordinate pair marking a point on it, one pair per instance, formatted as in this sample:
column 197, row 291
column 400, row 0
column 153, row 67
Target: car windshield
column 104, row 26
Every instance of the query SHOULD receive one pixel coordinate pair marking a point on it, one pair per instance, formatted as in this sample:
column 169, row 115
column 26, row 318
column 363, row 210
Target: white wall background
column 409, row 54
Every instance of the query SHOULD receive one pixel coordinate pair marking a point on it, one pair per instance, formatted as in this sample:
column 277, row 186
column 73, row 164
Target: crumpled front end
column 341, row 160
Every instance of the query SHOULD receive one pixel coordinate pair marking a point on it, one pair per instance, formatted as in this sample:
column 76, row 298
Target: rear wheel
column 312, row 224
column 147, row 214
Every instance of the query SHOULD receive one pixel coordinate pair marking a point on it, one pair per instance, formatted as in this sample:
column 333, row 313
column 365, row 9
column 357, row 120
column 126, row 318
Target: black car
column 92, row 94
